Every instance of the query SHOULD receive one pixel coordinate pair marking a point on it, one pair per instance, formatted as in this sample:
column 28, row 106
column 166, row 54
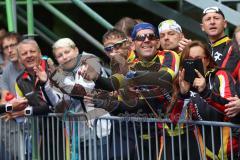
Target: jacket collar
column 223, row 39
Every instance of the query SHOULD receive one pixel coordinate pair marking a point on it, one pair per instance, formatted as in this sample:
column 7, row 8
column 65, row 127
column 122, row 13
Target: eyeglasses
column 117, row 45
column 9, row 46
column 150, row 36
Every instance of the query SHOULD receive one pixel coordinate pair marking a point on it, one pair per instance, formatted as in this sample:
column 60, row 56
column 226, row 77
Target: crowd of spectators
column 155, row 71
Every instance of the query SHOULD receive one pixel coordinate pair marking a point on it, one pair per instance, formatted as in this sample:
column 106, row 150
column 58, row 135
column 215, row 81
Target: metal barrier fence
column 114, row 138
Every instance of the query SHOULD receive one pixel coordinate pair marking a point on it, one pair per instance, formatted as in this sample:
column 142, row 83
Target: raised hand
column 19, row 104
column 89, row 100
column 120, row 61
column 41, row 74
column 88, row 72
column 200, row 82
column 183, row 43
column 184, row 85
column 13, row 115
column 233, row 107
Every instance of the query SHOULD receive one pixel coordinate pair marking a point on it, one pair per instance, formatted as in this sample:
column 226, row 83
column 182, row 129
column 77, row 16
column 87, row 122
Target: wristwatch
column 8, row 107
column 28, row 111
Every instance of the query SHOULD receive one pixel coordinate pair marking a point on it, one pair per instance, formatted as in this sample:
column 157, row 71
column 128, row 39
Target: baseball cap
column 142, row 26
column 212, row 9
column 169, row 24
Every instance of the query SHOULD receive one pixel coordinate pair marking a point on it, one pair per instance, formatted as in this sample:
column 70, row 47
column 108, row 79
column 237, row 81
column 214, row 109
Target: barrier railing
column 77, row 137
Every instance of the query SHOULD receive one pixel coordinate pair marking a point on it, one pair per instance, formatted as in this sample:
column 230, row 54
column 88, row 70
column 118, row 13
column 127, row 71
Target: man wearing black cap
column 213, row 24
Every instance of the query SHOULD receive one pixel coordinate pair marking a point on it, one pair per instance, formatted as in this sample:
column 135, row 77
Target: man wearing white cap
column 171, row 36
column 214, row 24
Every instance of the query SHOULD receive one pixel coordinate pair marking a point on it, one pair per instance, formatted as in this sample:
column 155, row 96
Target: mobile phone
column 189, row 65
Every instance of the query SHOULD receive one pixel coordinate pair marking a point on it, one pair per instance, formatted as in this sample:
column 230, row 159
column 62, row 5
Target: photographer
column 202, row 99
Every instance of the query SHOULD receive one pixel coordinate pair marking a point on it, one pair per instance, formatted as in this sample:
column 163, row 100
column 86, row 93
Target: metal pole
column 238, row 7
column 39, row 32
column 10, row 19
column 14, row 11
column 180, row 6
column 30, row 17
column 73, row 25
column 39, row 25
column 93, row 14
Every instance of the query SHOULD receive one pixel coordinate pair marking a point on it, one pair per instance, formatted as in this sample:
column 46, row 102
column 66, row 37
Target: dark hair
column 14, row 35
column 186, row 51
column 185, row 54
column 126, row 25
column 114, row 33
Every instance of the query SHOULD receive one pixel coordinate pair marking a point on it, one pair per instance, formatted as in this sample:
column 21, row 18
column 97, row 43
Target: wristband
column 28, row 111
column 8, row 107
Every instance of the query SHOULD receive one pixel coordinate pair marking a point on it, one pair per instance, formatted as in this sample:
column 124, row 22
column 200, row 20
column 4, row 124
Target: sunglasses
column 151, row 37
column 117, row 45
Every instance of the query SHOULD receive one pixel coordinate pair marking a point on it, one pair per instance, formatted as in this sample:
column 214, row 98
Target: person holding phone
column 222, row 83
column 202, row 99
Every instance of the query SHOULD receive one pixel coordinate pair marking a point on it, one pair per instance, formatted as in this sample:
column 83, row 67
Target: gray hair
column 28, row 41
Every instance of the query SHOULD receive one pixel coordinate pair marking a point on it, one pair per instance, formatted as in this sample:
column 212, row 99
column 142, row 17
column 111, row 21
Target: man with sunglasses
column 152, row 63
column 149, row 58
column 118, row 48
column 151, row 67
column 146, row 43
column 214, row 24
